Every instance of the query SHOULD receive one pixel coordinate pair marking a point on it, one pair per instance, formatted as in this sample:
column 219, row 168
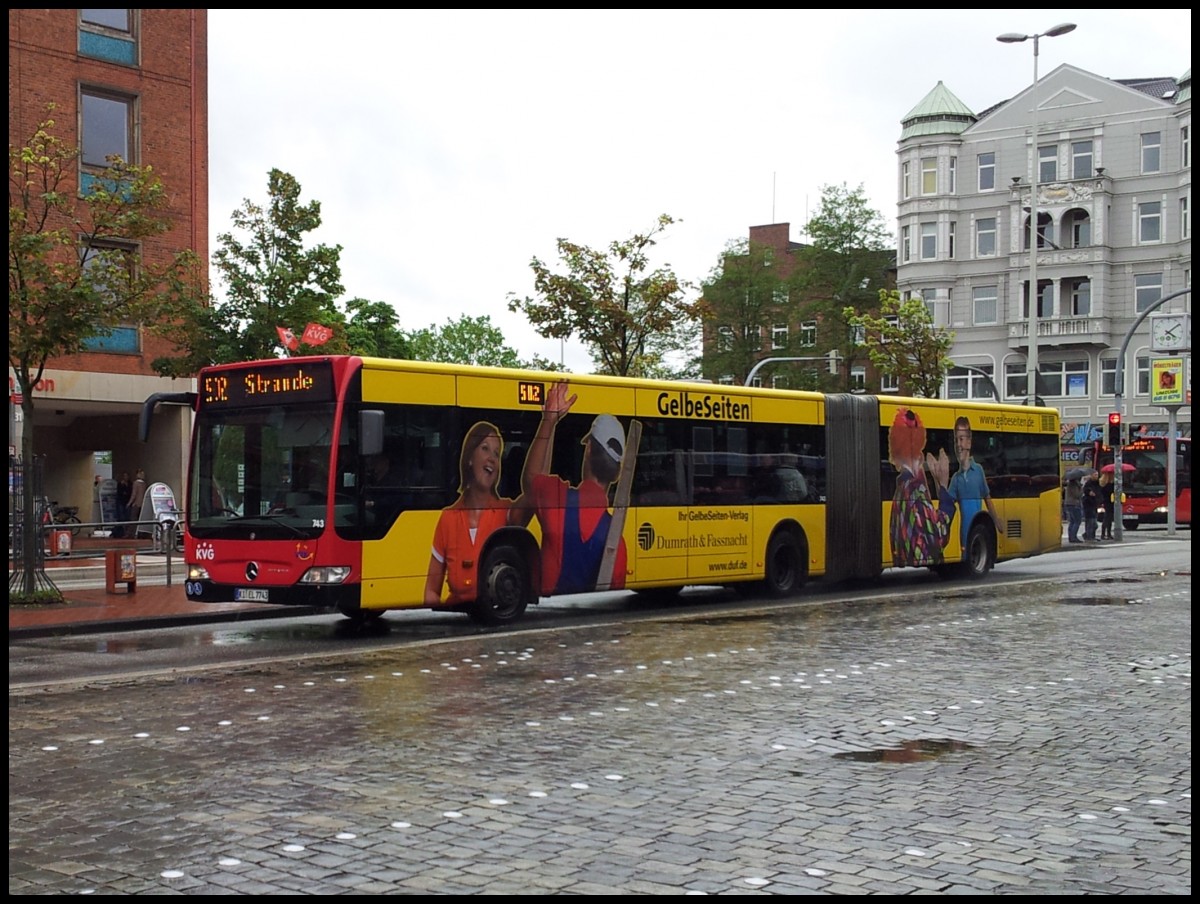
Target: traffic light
column 1114, row 429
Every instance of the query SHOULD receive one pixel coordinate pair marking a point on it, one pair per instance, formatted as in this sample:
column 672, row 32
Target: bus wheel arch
column 785, row 565
column 507, row 575
column 979, row 555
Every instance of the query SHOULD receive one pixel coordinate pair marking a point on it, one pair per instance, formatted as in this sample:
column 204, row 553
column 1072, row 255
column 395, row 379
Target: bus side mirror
column 370, row 432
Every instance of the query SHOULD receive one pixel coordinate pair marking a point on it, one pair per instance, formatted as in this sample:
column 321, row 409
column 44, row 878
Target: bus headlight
column 329, row 574
column 1160, row 510
column 197, row 573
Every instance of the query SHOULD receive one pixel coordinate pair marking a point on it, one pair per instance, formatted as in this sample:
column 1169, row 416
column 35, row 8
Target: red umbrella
column 1125, row 468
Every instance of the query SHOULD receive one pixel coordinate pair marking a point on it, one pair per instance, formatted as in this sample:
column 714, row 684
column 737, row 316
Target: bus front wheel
column 503, row 590
column 785, row 565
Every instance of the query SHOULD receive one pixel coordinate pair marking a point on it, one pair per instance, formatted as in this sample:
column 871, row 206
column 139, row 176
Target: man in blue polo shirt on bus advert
column 969, row 487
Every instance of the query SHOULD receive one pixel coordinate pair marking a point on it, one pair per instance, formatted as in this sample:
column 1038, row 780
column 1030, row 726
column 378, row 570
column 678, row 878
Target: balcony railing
column 1066, row 330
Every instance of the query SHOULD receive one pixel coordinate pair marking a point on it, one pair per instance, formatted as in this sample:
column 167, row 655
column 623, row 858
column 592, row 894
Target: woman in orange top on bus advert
column 464, row 526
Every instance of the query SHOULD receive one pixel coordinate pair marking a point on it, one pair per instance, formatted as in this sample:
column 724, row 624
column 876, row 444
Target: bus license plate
column 250, row 595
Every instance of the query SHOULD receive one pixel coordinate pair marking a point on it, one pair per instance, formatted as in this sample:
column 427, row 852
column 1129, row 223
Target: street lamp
column 1014, row 38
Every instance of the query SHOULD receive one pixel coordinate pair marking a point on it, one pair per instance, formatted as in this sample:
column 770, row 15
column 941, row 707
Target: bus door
column 720, row 532
column 661, row 491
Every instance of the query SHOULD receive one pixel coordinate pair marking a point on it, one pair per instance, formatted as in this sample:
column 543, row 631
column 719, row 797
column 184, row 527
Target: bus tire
column 979, row 555
column 503, row 588
column 784, row 571
column 1129, row 523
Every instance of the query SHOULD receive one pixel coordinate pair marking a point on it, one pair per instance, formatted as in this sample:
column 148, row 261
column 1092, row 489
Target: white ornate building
column 1114, row 236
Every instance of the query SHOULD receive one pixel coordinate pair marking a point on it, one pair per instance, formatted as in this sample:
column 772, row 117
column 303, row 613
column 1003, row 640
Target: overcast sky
column 448, row 148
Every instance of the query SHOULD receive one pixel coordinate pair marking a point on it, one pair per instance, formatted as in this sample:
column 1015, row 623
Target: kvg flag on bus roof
column 316, row 334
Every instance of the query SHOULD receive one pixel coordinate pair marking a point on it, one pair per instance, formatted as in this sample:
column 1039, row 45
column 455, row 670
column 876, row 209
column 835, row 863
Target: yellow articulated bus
column 366, row 485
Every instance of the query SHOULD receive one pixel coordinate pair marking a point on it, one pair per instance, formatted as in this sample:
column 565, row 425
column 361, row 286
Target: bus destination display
column 267, row 384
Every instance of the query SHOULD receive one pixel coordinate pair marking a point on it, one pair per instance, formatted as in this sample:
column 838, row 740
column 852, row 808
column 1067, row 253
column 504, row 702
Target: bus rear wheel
column 504, row 588
column 785, row 566
column 979, row 556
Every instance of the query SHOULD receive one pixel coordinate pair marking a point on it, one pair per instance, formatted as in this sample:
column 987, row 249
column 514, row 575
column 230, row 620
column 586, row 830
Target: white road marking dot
column 293, row 848
column 401, row 825
column 171, row 874
column 229, row 861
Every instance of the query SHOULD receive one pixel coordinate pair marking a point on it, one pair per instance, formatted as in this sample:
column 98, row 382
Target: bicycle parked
column 66, row 515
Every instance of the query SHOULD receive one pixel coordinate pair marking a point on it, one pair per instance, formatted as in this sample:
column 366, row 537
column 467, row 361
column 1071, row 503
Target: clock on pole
column 1170, row 332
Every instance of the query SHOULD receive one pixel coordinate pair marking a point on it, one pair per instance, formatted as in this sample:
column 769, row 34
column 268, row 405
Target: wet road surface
column 1032, row 741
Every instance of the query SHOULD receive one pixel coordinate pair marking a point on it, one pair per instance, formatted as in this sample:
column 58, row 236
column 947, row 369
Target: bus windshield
column 261, row 471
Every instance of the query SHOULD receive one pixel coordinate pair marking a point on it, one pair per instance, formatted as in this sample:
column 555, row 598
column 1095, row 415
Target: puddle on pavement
column 122, row 645
column 908, row 752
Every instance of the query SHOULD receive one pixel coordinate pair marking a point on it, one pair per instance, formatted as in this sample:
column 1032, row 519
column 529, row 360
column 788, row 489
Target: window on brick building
column 99, row 261
column 116, row 19
column 109, row 35
column 107, row 128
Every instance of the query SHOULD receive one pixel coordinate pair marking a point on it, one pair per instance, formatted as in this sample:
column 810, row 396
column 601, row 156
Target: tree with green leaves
column 741, row 298
column 467, row 340
column 271, row 281
column 902, row 341
column 373, row 328
column 75, row 274
column 847, row 262
column 626, row 313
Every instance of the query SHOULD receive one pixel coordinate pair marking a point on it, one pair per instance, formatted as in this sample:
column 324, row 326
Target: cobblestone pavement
column 1039, row 742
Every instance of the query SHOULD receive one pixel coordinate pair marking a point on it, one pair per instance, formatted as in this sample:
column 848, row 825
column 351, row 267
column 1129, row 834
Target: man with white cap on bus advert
column 576, row 521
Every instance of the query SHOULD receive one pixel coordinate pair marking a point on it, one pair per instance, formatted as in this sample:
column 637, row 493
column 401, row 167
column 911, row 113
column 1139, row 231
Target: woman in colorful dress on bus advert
column 919, row 529
column 464, row 526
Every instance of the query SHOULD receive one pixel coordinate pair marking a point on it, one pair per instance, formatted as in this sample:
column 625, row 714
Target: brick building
column 135, row 83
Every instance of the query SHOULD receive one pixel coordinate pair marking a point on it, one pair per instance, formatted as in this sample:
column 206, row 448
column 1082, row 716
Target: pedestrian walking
column 124, row 490
column 1106, row 506
column 137, row 494
column 1090, row 500
column 1073, row 507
